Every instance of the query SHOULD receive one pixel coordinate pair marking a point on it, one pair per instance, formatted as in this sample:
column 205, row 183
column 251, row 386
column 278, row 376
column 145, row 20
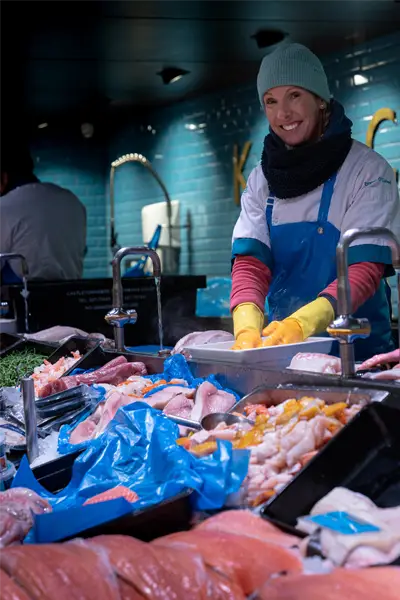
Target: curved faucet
column 118, row 317
column 345, row 327
column 135, row 157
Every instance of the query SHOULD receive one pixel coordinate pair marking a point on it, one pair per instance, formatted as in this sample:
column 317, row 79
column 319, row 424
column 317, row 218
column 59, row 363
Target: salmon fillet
column 9, row 589
column 164, row 574
column 60, row 571
column 127, row 592
column 245, row 560
column 120, row 491
column 134, row 562
column 243, row 522
column 199, row 582
column 341, row 584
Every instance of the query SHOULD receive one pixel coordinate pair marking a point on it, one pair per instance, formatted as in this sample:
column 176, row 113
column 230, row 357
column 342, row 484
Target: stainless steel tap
column 30, row 418
column 22, row 259
column 118, row 317
column 345, row 327
column 139, row 158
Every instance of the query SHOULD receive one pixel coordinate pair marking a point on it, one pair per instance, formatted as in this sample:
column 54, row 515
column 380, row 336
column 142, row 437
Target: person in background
column 42, row 221
column 314, row 182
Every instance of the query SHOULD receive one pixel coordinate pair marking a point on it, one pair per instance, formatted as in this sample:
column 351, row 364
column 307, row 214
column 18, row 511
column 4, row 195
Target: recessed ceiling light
column 360, row 79
column 43, row 125
column 268, row 37
column 172, row 74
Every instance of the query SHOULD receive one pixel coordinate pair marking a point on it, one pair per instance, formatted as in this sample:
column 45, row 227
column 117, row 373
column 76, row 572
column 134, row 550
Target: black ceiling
column 62, row 56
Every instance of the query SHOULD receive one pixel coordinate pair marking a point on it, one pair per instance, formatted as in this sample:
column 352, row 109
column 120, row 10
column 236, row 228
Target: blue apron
column 304, row 264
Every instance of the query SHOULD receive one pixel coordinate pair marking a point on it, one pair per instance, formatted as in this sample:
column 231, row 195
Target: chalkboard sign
column 84, row 304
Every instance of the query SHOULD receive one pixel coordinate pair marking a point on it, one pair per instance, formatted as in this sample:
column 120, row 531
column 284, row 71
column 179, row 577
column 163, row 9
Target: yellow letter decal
column 239, row 181
column 383, row 114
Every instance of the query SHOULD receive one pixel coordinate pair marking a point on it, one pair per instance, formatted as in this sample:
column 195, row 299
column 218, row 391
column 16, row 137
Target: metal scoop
column 210, row 421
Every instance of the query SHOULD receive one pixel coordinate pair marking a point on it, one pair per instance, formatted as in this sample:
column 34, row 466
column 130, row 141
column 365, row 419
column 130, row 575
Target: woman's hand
column 248, row 321
column 247, row 339
column 287, row 331
column 311, row 319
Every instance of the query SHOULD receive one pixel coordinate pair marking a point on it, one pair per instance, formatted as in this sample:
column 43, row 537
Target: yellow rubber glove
column 313, row 318
column 248, row 321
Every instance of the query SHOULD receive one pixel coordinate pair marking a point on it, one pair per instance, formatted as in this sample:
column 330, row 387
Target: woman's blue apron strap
column 327, row 193
column 268, row 211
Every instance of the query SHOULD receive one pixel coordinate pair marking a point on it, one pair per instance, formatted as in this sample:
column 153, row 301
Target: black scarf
column 292, row 172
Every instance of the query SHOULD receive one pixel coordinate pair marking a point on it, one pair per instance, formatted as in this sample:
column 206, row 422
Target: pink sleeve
column 364, row 281
column 250, row 281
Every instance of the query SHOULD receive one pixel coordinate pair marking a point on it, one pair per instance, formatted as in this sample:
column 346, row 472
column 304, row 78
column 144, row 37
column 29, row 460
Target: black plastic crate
column 8, row 341
column 363, row 457
column 99, row 357
column 84, row 345
column 167, row 517
column 55, row 475
column 39, row 347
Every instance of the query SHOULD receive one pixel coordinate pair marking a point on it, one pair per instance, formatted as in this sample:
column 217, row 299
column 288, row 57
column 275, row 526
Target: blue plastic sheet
column 176, row 367
column 139, row 451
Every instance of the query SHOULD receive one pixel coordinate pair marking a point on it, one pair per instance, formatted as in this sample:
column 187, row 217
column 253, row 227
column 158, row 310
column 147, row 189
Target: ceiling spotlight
column 360, row 79
column 172, row 74
column 43, row 125
column 268, row 37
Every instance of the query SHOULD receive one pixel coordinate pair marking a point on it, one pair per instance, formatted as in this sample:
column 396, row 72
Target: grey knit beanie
column 292, row 64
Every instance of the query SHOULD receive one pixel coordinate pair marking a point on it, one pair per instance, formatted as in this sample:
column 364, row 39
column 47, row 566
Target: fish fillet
column 379, row 359
column 120, row 491
column 9, row 589
column 161, row 574
column 245, row 560
column 199, row 338
column 244, row 522
column 161, row 398
column 366, row 584
column 59, row 571
column 358, row 550
column 315, row 363
column 211, row 400
column 180, row 406
column 390, row 375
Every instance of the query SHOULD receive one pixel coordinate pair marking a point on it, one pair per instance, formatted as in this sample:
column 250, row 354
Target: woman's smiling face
column 294, row 114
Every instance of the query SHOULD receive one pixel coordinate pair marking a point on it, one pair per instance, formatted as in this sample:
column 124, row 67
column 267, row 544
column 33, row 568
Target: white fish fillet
column 380, row 359
column 358, row 550
column 315, row 363
column 211, row 400
column 180, row 406
column 161, row 398
column 199, row 338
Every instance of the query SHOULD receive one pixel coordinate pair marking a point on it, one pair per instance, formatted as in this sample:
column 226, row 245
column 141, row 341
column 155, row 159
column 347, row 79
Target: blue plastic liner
column 138, row 450
column 176, row 367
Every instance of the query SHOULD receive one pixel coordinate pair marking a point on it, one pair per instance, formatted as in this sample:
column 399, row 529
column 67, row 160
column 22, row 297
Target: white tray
column 274, row 357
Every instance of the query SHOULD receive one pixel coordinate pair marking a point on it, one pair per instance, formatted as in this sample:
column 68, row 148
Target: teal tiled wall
column 79, row 165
